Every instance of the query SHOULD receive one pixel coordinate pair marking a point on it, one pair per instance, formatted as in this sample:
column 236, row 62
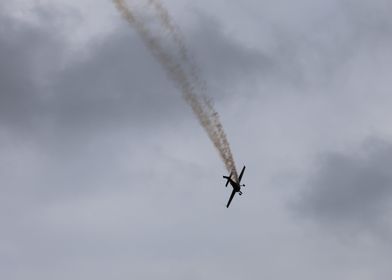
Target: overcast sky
column 106, row 174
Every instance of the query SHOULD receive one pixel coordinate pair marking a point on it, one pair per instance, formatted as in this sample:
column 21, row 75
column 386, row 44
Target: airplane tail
column 225, row 177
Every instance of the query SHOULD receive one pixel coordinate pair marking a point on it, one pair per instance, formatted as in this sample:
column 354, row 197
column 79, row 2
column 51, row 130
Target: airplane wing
column 231, row 198
column 242, row 173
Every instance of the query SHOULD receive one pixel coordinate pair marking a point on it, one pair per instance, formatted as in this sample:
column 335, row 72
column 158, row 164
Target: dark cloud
column 20, row 45
column 118, row 82
column 351, row 189
column 225, row 63
column 113, row 82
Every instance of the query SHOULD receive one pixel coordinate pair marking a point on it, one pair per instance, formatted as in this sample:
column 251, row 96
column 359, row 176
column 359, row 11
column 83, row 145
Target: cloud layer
column 105, row 173
column 352, row 189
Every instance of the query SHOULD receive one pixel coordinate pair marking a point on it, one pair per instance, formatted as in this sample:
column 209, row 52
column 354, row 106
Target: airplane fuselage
column 235, row 186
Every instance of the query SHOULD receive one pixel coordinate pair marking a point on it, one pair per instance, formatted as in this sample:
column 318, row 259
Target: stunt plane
column 236, row 185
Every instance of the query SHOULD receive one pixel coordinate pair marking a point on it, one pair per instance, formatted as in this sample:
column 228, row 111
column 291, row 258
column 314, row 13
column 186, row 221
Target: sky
column 105, row 173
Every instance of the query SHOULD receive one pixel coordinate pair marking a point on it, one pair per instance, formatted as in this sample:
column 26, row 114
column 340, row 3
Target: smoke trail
column 177, row 37
column 195, row 72
column 201, row 105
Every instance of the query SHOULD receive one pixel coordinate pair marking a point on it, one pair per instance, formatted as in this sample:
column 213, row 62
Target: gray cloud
column 351, row 189
column 224, row 62
column 311, row 51
column 116, row 82
column 104, row 173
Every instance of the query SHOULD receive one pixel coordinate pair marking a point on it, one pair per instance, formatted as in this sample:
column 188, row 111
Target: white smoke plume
column 191, row 85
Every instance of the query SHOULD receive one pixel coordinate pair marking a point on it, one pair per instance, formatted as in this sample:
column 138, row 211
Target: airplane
column 236, row 185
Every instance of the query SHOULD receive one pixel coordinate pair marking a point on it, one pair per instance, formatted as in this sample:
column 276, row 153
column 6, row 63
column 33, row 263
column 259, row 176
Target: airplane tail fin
column 227, row 182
